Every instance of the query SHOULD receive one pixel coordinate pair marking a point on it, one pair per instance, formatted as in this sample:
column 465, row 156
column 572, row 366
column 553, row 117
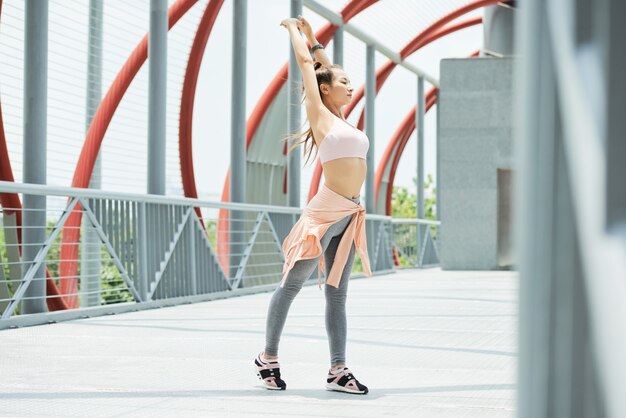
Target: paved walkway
column 427, row 343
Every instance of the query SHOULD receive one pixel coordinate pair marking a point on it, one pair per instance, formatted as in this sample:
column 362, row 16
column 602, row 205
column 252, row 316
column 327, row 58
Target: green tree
column 211, row 230
column 430, row 198
column 404, row 205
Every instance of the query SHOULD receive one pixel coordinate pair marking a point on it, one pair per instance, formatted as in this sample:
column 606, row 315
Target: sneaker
column 268, row 372
column 344, row 381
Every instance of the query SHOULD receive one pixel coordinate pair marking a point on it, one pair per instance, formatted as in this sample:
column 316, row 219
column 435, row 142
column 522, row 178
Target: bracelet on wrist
column 316, row 47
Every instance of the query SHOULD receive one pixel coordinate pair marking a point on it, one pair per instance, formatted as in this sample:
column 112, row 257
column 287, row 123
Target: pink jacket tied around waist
column 303, row 242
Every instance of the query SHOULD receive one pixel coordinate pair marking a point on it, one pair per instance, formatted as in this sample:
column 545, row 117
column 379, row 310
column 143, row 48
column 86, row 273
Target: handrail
column 337, row 20
column 415, row 221
column 45, row 190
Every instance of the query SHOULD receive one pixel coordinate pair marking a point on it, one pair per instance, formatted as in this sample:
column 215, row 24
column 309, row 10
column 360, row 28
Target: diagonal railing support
column 275, row 235
column 39, row 258
column 248, row 250
column 114, row 257
column 198, row 222
column 168, row 255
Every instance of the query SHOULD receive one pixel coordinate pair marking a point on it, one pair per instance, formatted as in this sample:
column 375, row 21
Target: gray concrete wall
column 474, row 141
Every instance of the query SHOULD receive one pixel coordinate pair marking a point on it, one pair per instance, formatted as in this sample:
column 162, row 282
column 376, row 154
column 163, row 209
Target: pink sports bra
column 343, row 141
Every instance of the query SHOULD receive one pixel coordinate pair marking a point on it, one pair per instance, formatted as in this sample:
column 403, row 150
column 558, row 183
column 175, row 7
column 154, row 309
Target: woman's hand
column 290, row 21
column 305, row 28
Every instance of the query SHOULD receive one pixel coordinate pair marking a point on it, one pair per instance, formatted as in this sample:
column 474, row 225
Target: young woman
column 332, row 225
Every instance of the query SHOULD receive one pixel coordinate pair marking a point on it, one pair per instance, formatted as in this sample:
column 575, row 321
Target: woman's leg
column 336, row 321
column 281, row 301
column 284, row 296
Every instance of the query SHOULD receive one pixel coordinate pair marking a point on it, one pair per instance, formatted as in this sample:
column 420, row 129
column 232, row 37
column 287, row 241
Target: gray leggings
column 336, row 323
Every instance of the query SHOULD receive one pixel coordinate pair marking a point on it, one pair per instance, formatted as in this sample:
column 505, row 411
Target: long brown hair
column 324, row 75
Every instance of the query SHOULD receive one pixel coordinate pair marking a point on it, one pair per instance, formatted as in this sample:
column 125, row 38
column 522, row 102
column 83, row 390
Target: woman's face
column 340, row 91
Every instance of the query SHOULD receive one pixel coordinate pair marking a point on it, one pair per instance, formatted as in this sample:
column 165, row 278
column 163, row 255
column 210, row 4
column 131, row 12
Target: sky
column 124, row 153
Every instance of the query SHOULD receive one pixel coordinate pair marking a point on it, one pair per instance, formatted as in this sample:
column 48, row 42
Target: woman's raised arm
column 313, row 100
column 319, row 53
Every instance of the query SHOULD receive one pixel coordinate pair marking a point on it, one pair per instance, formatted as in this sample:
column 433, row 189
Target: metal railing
column 107, row 250
column 337, row 19
column 416, row 242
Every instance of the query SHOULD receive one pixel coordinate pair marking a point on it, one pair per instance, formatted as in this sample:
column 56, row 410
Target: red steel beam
column 185, row 126
column 324, row 36
column 401, row 143
column 428, row 35
column 431, row 99
column 102, row 118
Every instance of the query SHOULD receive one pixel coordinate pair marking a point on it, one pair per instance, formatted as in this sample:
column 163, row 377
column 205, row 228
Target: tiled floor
column 428, row 344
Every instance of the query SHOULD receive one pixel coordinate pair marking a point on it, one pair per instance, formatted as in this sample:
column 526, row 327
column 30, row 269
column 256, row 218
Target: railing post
column 238, row 132
column 370, row 95
column 193, row 276
column 338, row 46
column 142, row 244
column 90, row 259
column 293, row 117
column 419, row 123
column 157, row 96
column 34, row 147
column 370, row 124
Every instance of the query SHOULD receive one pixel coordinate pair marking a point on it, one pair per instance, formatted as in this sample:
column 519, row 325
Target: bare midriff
column 345, row 175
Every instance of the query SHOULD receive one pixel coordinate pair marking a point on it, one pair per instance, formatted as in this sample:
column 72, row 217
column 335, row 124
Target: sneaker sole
column 337, row 388
column 263, row 381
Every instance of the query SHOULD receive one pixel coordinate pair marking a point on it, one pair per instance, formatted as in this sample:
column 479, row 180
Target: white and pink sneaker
column 344, row 381
column 268, row 371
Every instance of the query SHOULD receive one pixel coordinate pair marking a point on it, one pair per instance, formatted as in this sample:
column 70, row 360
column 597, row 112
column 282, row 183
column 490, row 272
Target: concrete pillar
column 34, row 148
column 238, row 130
column 535, row 158
column 560, row 373
column 90, row 257
column 157, row 94
column 474, row 145
column 293, row 117
column 557, row 372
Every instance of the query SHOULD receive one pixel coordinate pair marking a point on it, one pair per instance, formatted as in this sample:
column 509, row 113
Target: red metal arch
column 439, row 34
column 185, row 126
column 107, row 108
column 404, row 130
column 401, row 142
column 381, row 77
column 431, row 33
column 324, row 36
column 95, row 134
